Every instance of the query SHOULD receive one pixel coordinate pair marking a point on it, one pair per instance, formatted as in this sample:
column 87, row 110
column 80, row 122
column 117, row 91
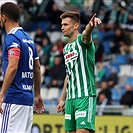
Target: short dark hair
column 71, row 14
column 11, row 11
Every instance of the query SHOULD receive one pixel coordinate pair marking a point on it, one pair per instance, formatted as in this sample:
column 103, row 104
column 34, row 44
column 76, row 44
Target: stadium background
column 117, row 16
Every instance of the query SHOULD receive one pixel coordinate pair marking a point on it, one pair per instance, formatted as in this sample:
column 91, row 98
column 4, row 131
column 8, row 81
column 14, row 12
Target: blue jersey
column 21, row 89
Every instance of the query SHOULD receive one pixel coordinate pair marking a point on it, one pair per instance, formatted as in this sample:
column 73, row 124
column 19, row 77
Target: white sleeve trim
column 36, row 58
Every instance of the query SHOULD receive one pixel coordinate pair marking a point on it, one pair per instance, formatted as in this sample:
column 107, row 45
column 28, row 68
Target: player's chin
column 65, row 35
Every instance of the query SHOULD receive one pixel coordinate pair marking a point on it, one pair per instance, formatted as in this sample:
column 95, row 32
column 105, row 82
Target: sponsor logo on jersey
column 27, row 41
column 27, row 87
column 71, row 56
column 67, row 116
column 79, row 114
column 14, row 45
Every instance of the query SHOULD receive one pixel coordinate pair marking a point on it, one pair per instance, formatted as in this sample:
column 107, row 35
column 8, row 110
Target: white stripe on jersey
column 90, row 79
column 83, row 71
column 78, row 81
column 69, row 91
column 73, row 88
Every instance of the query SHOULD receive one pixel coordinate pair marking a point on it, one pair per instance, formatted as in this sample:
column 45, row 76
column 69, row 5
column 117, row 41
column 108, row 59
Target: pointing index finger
column 93, row 17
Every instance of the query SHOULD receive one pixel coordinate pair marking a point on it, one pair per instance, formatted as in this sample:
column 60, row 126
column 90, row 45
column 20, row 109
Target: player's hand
column 1, row 101
column 94, row 22
column 39, row 106
column 61, row 106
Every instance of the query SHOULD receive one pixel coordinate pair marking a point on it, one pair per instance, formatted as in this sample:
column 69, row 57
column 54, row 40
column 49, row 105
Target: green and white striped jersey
column 79, row 63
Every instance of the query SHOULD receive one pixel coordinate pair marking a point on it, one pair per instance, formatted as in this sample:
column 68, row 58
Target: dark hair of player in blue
column 11, row 11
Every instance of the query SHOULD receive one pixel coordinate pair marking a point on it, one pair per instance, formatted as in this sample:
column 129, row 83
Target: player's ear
column 3, row 18
column 76, row 26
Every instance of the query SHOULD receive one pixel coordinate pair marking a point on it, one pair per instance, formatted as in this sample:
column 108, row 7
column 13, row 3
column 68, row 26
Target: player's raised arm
column 94, row 22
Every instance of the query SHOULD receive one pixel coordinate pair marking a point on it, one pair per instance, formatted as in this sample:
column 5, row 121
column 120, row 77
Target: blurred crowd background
column 113, row 42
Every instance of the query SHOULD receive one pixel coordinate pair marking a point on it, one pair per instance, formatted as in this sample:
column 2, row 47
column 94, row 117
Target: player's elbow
column 37, row 68
column 13, row 69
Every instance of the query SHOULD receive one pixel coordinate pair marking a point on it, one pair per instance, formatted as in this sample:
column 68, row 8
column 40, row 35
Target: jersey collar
column 12, row 31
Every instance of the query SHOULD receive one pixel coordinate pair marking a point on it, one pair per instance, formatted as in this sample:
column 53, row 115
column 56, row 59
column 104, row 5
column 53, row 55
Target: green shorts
column 80, row 114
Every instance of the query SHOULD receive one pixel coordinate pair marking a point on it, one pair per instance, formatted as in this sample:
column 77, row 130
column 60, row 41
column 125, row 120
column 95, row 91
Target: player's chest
column 71, row 53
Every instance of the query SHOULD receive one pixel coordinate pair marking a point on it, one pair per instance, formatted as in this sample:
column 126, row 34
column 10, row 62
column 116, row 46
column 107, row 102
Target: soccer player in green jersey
column 79, row 91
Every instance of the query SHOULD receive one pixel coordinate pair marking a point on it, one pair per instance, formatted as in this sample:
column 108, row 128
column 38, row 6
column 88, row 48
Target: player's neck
column 11, row 25
column 73, row 37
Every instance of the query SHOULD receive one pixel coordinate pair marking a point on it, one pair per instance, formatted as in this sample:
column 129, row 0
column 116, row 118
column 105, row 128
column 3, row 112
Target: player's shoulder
column 11, row 38
column 79, row 39
column 66, row 45
column 14, row 34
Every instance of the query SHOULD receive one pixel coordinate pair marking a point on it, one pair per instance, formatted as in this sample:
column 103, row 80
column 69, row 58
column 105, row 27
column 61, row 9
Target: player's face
column 68, row 27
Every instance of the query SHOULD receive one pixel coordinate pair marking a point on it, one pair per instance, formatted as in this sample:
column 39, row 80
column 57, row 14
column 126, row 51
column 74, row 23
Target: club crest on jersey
column 14, row 45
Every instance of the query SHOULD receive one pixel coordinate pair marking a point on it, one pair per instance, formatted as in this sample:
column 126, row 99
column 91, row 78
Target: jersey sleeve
column 12, row 42
column 36, row 57
column 89, row 46
column 13, row 46
column 81, row 41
